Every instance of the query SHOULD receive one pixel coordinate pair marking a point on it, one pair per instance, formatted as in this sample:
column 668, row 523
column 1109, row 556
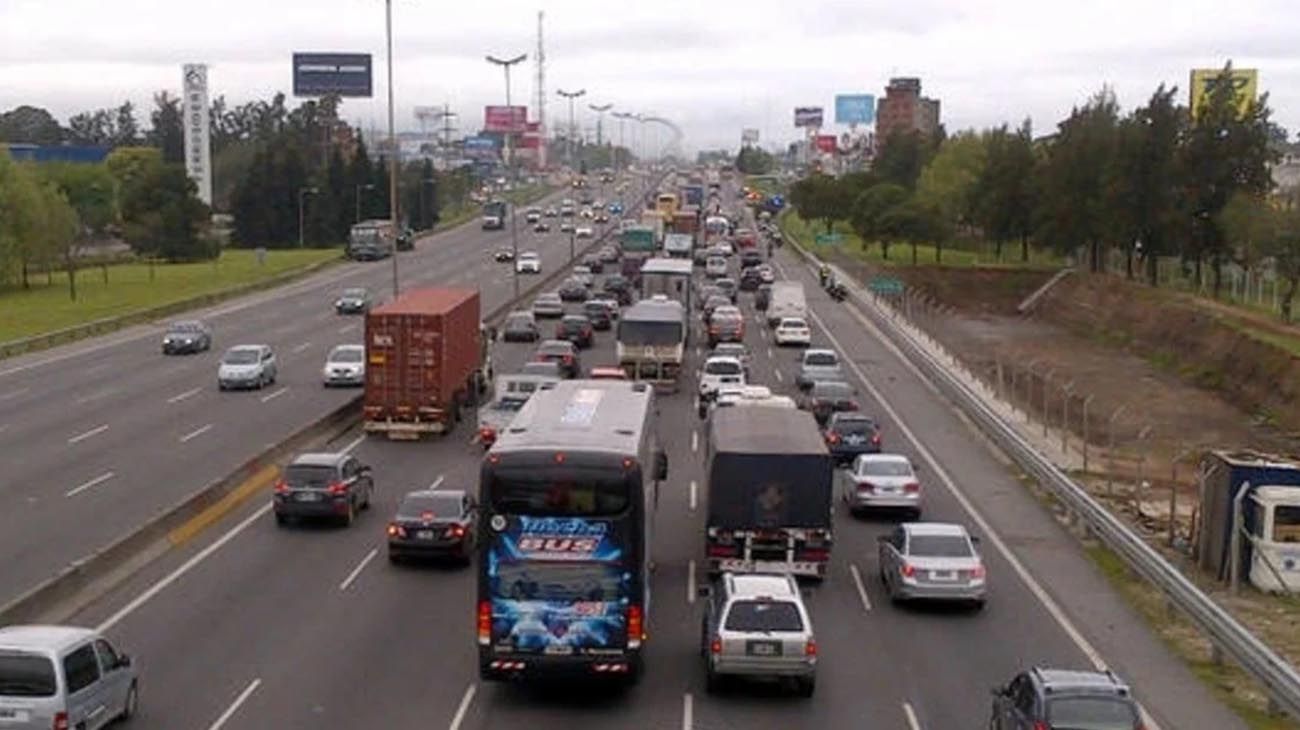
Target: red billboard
column 826, row 143
column 504, row 118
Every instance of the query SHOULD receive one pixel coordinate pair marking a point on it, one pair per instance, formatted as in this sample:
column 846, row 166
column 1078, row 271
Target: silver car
column 818, row 364
column 882, row 482
column 756, row 625
column 933, row 561
column 548, row 305
column 345, row 365
column 63, row 677
column 247, row 366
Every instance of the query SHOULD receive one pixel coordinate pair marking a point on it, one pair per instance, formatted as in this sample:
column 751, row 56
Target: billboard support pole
column 395, row 157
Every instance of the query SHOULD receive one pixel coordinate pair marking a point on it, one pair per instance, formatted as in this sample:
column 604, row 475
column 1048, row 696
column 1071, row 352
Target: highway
column 253, row 626
column 102, row 434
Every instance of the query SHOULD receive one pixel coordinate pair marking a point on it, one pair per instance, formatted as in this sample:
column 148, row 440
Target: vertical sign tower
column 198, row 148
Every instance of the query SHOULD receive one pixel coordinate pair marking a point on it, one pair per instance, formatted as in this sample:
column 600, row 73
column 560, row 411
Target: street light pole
column 302, row 192
column 506, row 64
column 600, row 110
column 363, row 186
column 395, row 157
column 573, row 130
column 509, row 162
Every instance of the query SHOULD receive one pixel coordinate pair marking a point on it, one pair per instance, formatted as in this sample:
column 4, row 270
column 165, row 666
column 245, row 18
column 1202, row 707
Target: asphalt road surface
column 103, row 434
column 255, row 626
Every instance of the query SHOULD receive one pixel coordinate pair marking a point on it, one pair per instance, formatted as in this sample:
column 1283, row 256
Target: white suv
column 529, row 262
column 756, row 625
column 720, row 371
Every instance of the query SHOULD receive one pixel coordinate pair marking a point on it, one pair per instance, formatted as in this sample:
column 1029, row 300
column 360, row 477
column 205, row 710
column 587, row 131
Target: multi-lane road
column 254, row 626
column 101, row 435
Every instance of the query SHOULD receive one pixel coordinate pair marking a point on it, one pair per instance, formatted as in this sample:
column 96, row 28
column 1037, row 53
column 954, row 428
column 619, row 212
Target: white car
column 715, row 267
column 529, row 262
column 583, row 274
column 247, row 366
column 792, row 331
column 345, row 365
column 720, row 371
column 583, row 232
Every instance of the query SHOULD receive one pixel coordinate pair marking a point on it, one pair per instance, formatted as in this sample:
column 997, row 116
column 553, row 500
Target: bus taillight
column 635, row 627
column 485, row 622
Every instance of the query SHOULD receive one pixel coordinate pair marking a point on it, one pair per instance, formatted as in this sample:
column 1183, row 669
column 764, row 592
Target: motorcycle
column 838, row 292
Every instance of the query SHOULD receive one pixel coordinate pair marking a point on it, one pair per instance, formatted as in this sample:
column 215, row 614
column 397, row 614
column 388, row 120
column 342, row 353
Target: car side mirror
column 123, row 660
column 661, row 465
column 974, row 540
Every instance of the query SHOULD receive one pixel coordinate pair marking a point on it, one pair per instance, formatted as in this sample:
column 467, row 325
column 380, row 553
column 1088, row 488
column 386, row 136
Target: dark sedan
column 574, row 290
column 827, row 397
column 850, row 434
column 729, row 327
column 598, row 311
column 520, row 327
column 562, row 353
column 576, row 328
column 353, row 301
column 187, row 337
column 619, row 287
column 434, row 524
column 762, row 297
column 593, row 262
column 751, row 279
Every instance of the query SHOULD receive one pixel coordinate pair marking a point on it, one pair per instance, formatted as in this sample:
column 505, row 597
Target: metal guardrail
column 1279, row 678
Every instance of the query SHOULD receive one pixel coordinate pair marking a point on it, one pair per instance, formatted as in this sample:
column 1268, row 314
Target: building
column 903, row 109
column 88, row 154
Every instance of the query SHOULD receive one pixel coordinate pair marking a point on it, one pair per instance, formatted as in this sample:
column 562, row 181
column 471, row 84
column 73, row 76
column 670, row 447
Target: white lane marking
column 690, row 582
column 688, row 712
column 770, row 355
column 437, row 482
column 96, row 396
column 357, row 570
column 234, row 706
column 910, row 714
column 92, row 432
column 862, row 589
column 15, row 393
column 1052, row 607
column 695, row 441
column 276, row 394
column 184, row 568
column 4, row 427
column 463, row 708
column 92, row 483
column 300, row 348
column 354, row 443
column 694, row 487
column 347, row 328
column 182, row 396
column 779, row 376
column 196, row 433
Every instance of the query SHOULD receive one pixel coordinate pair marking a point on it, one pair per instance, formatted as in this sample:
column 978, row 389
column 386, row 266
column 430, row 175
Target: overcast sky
column 712, row 67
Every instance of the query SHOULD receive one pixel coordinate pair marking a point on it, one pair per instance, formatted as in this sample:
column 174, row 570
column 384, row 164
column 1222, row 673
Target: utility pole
column 301, row 193
column 395, row 157
column 573, row 129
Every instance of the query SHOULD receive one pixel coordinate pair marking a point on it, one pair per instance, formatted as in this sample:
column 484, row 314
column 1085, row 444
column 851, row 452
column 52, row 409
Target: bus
column 651, row 344
column 371, row 240
column 568, row 495
column 670, row 277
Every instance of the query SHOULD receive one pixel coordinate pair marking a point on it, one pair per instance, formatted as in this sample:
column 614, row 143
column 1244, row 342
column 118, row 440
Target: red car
column 746, row 237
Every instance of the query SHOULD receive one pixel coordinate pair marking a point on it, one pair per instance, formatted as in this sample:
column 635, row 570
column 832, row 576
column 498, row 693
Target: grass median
column 130, row 287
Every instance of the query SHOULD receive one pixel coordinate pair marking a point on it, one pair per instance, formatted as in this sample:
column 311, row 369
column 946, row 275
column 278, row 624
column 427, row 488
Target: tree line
column 1150, row 183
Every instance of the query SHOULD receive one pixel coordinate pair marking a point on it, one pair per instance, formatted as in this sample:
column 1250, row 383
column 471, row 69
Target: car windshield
column 832, row 391
column 555, row 350
column 939, row 546
column 26, row 675
column 821, row 358
column 539, row 368
column 730, row 349
column 185, row 328
column 528, row 255
column 1091, row 713
column 240, row 357
column 354, row 293
column 793, row 324
column 348, row 354
column 722, row 367
column 764, row 616
column 309, row 475
column 885, row 468
column 854, row 425
column 520, row 320
column 439, row 504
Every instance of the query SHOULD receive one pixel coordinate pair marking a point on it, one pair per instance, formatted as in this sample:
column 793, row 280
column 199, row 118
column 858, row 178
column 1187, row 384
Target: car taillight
column 715, row 646
column 832, row 438
column 635, row 626
column 810, row 648
column 867, row 487
column 908, row 570
column 282, row 487
column 487, row 435
column 338, row 489
column 875, row 440
column 396, row 530
column 484, row 622
column 713, row 329
column 911, row 487
column 456, row 531
column 568, row 359
column 60, row 721
column 853, row 405
column 977, row 571
column 1041, row 725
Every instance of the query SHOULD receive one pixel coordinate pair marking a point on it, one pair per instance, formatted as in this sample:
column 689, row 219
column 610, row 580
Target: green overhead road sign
column 825, row 238
column 886, row 285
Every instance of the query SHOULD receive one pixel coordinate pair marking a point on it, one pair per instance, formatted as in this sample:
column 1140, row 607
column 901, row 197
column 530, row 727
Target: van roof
column 45, row 638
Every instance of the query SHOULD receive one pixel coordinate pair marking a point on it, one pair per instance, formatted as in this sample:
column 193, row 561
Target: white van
column 63, row 677
column 786, row 300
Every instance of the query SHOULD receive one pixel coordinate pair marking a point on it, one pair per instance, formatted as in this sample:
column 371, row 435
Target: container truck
column 426, row 361
column 494, row 215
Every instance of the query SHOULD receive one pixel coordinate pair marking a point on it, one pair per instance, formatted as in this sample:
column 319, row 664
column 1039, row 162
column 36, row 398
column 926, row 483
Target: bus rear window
column 552, row 492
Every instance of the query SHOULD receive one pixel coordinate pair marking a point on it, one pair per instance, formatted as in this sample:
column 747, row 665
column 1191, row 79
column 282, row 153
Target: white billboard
column 198, row 146
column 749, row 136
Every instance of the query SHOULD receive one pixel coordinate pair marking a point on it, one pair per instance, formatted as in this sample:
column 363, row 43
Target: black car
column 750, row 258
column 434, row 524
column 850, row 434
column 1052, row 698
column 593, row 262
column 762, row 297
column 189, row 336
column 619, row 287
column 355, row 300
column 598, row 312
column 541, row 226
column 562, row 353
column 503, row 254
column 712, row 303
column 750, row 279
column 827, row 397
column 406, row 240
column 574, row 290
column 330, row 486
column 728, row 287
column 576, row 328
column 700, row 257
column 520, row 327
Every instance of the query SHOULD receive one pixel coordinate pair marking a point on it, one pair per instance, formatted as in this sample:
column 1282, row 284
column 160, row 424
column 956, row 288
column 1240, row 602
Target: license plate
column 13, row 715
column 855, row 439
column 307, row 497
column 943, row 575
column 424, row 534
column 561, row 649
column 763, row 648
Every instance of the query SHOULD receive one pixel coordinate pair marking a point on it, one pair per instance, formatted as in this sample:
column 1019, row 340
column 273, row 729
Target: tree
column 754, row 161
column 1004, row 197
column 823, row 198
column 129, row 164
column 1284, row 246
column 30, row 125
column 168, row 133
column 912, row 221
column 901, row 158
column 1144, row 204
column 92, row 128
column 37, row 225
column 163, row 217
column 869, row 210
column 948, row 184
column 127, row 129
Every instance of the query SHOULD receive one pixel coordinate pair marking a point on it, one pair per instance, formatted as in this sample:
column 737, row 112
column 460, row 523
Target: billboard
column 807, row 116
column 504, row 118
column 480, row 148
column 826, row 143
column 1245, row 82
column 749, row 136
column 345, row 74
column 854, row 109
column 195, row 112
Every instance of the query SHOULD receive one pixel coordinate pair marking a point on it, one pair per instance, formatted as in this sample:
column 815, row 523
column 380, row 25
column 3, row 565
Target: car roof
column 843, row 416
column 575, row 318
column 831, row 385
column 548, row 295
column 723, row 358
column 349, row 347
column 754, row 585
column 530, row 254
column 820, row 351
column 44, row 637
column 884, row 459
column 232, row 348
column 1072, row 680
column 556, row 344
column 796, row 320
column 318, row 459
column 434, row 493
column 934, row 528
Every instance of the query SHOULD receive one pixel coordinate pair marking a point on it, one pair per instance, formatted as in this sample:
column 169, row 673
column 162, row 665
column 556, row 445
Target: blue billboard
column 855, row 108
column 344, row 74
column 482, row 147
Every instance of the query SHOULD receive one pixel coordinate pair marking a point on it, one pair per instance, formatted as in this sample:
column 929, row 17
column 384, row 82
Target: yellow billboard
column 1245, row 83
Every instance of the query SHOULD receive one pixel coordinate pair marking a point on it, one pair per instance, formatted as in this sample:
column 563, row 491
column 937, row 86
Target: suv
column 63, row 676
column 818, row 365
column 720, row 371
column 829, row 396
column 756, row 625
column 1046, row 698
column 323, row 485
column 247, row 366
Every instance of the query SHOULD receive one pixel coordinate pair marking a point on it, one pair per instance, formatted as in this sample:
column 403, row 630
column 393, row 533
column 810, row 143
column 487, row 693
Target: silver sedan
column 882, row 482
column 932, row 561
